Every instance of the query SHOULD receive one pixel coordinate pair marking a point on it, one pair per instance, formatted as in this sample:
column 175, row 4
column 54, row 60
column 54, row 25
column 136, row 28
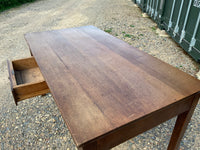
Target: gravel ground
column 36, row 123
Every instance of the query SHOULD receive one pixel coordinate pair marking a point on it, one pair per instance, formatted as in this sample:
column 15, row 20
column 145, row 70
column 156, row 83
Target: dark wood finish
column 90, row 146
column 181, row 125
column 12, row 78
column 26, row 79
column 106, row 90
column 141, row 125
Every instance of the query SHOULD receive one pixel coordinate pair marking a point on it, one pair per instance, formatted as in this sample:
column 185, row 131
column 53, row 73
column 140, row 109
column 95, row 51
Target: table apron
column 139, row 126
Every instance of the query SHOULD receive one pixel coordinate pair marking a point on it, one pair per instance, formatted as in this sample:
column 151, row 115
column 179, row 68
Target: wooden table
column 107, row 91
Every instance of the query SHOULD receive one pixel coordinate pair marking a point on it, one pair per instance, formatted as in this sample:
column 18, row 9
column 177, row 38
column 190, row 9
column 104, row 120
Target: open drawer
column 26, row 79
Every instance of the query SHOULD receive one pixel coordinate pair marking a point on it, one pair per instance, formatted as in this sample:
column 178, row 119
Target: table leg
column 181, row 125
column 91, row 146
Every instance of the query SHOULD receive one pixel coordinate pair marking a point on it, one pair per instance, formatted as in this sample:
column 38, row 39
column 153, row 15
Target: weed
column 128, row 35
column 132, row 26
column 153, row 28
column 108, row 30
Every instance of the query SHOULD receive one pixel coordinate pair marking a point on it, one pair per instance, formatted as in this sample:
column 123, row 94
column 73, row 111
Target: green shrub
column 5, row 4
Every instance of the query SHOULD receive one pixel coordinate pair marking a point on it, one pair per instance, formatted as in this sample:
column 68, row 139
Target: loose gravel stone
column 36, row 123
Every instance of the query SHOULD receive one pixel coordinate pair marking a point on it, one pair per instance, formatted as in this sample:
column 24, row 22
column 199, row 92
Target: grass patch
column 128, row 35
column 153, row 28
column 108, row 30
column 6, row 4
column 132, row 26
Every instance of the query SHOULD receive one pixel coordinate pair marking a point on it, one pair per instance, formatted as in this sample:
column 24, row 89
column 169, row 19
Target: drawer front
column 26, row 79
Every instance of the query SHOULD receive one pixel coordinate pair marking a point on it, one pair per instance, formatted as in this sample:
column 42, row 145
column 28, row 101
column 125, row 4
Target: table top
column 101, row 83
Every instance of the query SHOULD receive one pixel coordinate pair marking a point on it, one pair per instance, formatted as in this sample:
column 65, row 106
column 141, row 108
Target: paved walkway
column 36, row 123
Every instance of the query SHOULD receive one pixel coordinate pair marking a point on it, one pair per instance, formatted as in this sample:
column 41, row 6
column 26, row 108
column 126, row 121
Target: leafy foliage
column 5, row 4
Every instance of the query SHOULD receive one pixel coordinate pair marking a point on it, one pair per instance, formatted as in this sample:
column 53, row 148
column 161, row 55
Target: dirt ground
column 36, row 123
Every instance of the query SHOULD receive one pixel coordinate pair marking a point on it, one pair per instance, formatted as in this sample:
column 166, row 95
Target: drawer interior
column 28, row 75
column 26, row 79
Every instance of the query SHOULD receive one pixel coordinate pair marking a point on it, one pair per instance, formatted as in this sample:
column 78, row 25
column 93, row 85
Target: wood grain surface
column 101, row 84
